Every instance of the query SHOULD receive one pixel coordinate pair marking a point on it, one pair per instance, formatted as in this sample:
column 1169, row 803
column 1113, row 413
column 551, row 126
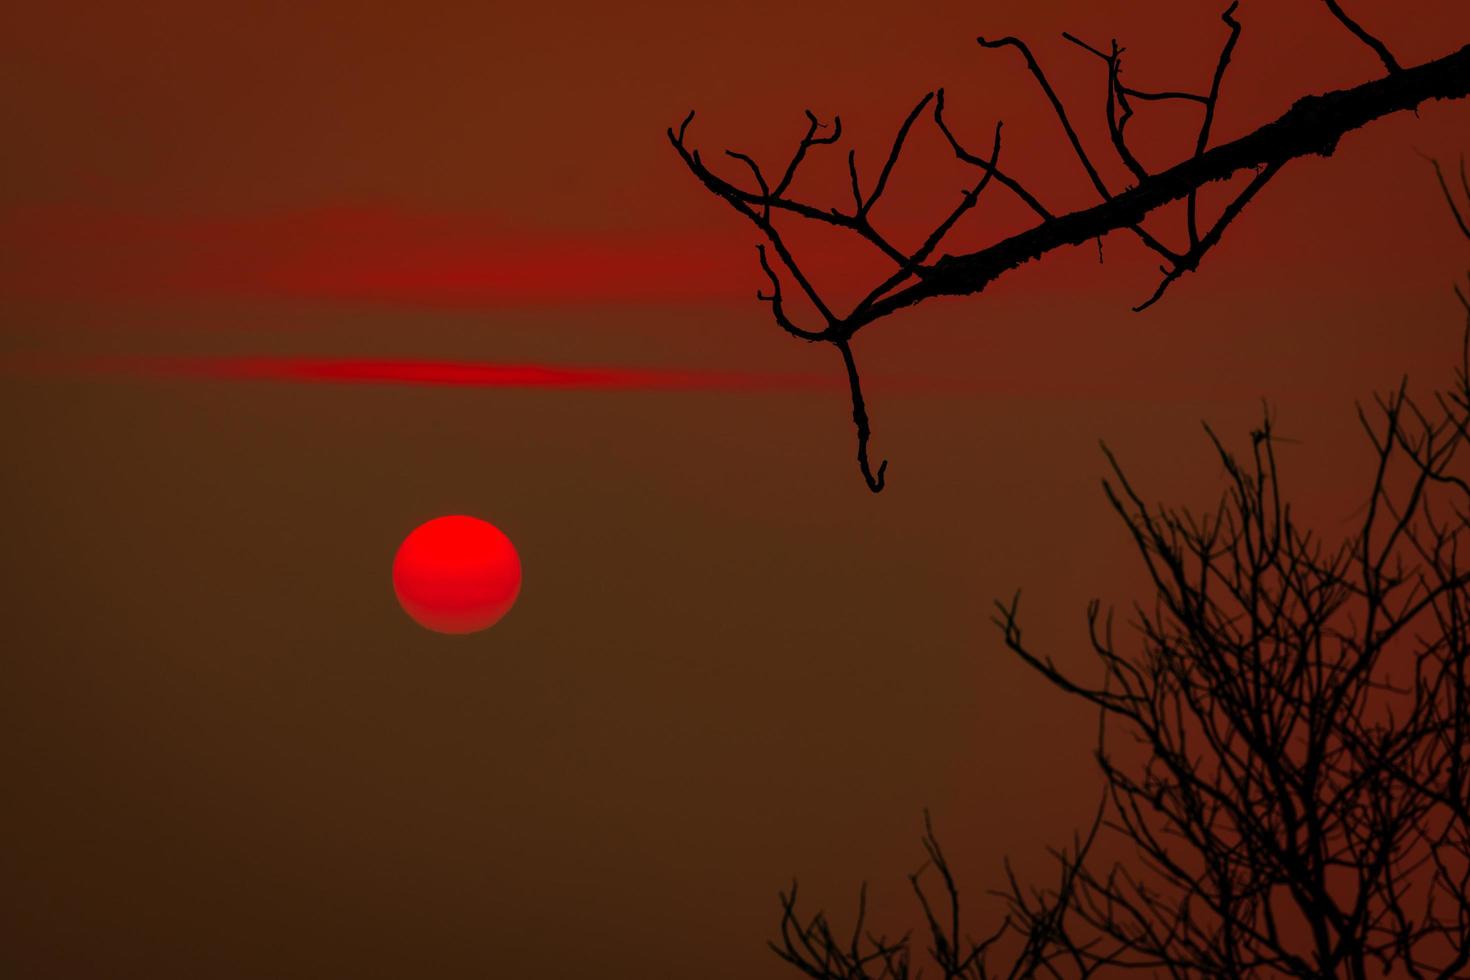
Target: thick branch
column 1311, row 127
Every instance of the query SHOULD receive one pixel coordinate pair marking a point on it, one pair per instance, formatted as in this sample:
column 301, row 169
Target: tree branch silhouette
column 1313, row 126
column 1284, row 747
column 1300, row 809
column 1459, row 210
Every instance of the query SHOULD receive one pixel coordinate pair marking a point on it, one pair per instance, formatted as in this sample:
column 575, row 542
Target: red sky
column 228, row 751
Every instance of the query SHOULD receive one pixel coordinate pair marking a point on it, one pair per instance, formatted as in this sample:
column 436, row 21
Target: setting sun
column 456, row 574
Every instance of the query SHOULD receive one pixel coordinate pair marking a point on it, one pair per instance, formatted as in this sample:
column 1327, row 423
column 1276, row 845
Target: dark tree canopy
column 1312, row 126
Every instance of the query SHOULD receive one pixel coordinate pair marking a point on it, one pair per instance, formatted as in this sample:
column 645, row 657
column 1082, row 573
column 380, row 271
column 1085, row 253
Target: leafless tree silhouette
column 1292, row 733
column 1312, row 126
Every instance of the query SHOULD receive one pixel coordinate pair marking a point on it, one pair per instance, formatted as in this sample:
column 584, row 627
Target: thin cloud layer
column 465, row 374
column 370, row 255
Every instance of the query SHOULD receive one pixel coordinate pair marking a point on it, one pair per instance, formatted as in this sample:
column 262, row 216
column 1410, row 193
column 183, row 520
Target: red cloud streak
column 336, row 370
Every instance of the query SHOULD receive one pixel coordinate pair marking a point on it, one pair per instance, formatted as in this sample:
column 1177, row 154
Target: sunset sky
column 280, row 282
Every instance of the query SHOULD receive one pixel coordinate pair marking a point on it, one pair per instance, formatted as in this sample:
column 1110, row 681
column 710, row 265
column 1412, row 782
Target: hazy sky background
column 228, row 753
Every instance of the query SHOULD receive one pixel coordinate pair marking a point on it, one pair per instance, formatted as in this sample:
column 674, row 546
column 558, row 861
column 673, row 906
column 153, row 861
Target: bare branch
column 898, row 141
column 1117, row 98
column 860, row 419
column 988, row 166
column 807, row 141
column 1056, row 104
column 1190, row 261
column 778, row 310
column 1449, row 198
column 1379, row 48
column 1211, row 101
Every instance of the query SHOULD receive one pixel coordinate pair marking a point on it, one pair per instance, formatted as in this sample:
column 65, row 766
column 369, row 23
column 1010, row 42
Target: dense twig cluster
column 1304, row 713
column 1285, row 750
column 817, row 951
column 1312, row 126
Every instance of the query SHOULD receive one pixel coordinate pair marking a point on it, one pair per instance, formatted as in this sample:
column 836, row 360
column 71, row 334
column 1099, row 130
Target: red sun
column 456, row 574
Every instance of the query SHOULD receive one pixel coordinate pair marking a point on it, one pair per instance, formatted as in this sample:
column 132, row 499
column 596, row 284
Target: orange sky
column 235, row 239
